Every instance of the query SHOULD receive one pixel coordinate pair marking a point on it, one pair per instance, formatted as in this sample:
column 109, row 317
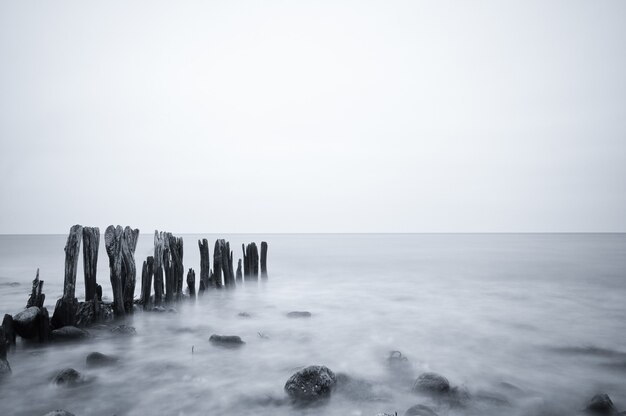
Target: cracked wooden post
column 66, row 307
column 129, row 270
column 216, row 278
column 263, row 260
column 227, row 264
column 169, row 275
column 239, row 276
column 246, row 272
column 91, row 241
column 159, row 246
column 147, row 272
column 191, row 283
column 176, row 254
column 251, row 262
column 204, row 265
column 36, row 295
column 113, row 244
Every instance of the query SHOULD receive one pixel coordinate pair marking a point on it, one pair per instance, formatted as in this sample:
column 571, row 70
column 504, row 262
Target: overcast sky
column 313, row 116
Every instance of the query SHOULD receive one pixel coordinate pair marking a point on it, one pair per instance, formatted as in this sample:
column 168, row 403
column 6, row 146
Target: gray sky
column 313, row 116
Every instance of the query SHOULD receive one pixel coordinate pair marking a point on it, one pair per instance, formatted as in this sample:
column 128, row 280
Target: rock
column 69, row 333
column 26, row 323
column 311, row 384
column 432, row 383
column 299, row 314
column 226, row 340
column 68, row 377
column 97, row 359
column 124, row 330
column 459, row 396
column 5, row 368
column 244, row 315
column 59, row 413
column 420, row 410
column 601, row 404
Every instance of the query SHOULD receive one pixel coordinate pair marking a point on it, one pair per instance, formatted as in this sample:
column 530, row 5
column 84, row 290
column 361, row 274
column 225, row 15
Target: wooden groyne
column 163, row 281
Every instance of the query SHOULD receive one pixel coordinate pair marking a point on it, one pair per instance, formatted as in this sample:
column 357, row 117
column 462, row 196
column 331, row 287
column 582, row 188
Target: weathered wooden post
column 191, row 283
column 91, row 241
column 176, row 254
column 159, row 246
column 216, row 278
column 113, row 244
column 66, row 307
column 263, row 260
column 239, row 276
column 169, row 275
column 147, row 272
column 204, row 265
column 251, row 262
column 246, row 272
column 129, row 270
column 36, row 296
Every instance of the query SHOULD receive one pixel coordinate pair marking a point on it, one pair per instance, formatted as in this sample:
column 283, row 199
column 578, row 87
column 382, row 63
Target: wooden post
column 239, row 277
column 246, row 272
column 158, row 285
column 251, row 262
column 66, row 307
column 169, row 275
column 191, row 283
column 263, row 260
column 217, row 265
column 36, row 296
column 176, row 254
column 113, row 244
column 204, row 265
column 147, row 272
column 159, row 246
column 91, row 241
column 129, row 270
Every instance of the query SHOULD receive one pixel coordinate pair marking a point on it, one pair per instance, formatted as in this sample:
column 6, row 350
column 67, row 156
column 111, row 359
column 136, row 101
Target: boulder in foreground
column 432, row 383
column 97, row 359
column 68, row 377
column 226, row 340
column 311, row 384
column 69, row 333
column 601, row 404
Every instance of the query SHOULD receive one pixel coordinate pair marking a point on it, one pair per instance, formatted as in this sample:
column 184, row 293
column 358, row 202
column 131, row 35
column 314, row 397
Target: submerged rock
column 69, row 333
column 124, row 330
column 311, row 384
column 5, row 368
column 97, row 359
column 26, row 323
column 59, row 413
column 432, row 383
column 68, row 377
column 420, row 410
column 299, row 314
column 226, row 340
column 601, row 404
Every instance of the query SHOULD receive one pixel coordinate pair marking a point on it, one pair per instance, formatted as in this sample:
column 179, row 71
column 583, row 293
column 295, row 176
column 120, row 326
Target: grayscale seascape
column 527, row 324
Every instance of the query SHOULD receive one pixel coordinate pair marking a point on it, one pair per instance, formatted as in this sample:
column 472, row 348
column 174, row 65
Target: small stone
column 97, row 359
column 124, row 330
column 67, row 377
column 431, row 383
column 420, row 410
column 69, row 333
column 226, row 340
column 299, row 314
column 311, row 384
column 59, row 413
column 601, row 404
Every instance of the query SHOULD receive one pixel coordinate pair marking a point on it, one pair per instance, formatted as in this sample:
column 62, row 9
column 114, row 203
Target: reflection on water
column 532, row 324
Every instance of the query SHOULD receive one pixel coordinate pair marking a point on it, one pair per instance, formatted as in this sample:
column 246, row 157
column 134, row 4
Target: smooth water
column 542, row 312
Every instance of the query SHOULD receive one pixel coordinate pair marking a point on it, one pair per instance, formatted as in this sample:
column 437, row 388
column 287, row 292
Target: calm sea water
column 544, row 313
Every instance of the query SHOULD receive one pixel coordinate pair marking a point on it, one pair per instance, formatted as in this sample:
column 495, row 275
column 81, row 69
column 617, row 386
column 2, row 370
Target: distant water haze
column 541, row 312
column 325, row 116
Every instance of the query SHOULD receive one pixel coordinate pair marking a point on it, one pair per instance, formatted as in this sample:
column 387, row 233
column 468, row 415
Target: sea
column 523, row 324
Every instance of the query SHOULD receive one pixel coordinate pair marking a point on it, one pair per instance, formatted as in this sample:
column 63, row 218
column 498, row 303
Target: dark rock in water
column 97, row 359
column 26, row 323
column 311, row 384
column 601, row 404
column 299, row 314
column 431, row 383
column 69, row 333
column 68, row 377
column 124, row 330
column 244, row 315
column 8, row 326
column 226, row 340
column 5, row 368
column 59, row 413
column 420, row 410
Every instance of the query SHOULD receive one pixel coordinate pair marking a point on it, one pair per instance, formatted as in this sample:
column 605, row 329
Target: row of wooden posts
column 163, row 272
